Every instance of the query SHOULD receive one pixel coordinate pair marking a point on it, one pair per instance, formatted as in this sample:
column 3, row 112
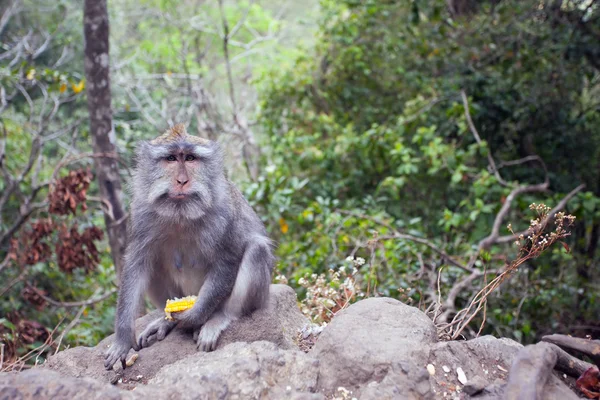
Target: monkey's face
column 181, row 178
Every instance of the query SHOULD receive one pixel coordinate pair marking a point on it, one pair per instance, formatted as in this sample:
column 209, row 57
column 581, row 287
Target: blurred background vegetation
column 344, row 124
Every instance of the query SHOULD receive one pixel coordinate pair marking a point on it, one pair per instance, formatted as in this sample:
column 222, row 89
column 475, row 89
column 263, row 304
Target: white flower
column 359, row 261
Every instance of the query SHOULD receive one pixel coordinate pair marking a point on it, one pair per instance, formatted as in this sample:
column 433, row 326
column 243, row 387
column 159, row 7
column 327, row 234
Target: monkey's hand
column 118, row 350
column 157, row 329
column 185, row 318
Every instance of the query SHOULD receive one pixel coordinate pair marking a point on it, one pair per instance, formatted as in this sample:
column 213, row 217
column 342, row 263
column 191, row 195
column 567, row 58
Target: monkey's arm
column 216, row 289
column 134, row 279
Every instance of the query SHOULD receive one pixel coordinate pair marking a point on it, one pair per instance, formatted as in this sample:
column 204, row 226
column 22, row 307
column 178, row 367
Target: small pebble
column 431, row 369
column 446, row 368
column 462, row 378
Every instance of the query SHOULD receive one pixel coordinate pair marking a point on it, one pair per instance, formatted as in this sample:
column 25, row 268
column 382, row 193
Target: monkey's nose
column 182, row 182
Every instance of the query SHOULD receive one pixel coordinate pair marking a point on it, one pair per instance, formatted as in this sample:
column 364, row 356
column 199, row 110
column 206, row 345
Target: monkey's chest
column 186, row 270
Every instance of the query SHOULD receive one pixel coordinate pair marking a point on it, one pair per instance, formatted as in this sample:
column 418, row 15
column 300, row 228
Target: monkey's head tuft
column 176, row 133
column 179, row 175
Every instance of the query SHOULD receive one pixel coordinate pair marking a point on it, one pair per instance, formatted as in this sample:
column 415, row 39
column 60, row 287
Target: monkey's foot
column 207, row 336
column 157, row 329
column 118, row 351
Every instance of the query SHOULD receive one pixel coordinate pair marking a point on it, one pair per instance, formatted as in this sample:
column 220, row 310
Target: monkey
column 192, row 232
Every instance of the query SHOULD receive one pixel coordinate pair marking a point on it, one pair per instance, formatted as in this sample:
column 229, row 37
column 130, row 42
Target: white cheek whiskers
column 157, row 190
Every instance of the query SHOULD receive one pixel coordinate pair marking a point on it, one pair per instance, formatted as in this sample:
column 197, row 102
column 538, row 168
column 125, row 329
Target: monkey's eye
column 171, row 158
column 190, row 157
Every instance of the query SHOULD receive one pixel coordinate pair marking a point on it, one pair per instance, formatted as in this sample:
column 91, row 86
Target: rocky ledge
column 378, row 348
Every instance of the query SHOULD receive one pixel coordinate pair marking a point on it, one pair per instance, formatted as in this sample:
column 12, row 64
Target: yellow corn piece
column 178, row 305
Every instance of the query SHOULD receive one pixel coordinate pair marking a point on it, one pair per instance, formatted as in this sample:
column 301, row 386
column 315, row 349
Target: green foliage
column 373, row 125
column 42, row 90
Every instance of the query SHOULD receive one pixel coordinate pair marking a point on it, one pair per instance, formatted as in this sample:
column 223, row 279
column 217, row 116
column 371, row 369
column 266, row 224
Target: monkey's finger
column 147, row 339
column 109, row 361
column 135, row 346
column 161, row 334
column 123, row 361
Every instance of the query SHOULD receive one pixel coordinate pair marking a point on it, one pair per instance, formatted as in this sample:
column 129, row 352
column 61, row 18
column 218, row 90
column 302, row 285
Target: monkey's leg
column 249, row 293
column 133, row 282
column 159, row 291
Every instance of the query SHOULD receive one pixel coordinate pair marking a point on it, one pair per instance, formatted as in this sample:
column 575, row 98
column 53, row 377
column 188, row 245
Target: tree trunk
column 95, row 26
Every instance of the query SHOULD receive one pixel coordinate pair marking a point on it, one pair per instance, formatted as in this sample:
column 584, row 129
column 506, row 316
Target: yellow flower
column 63, row 87
column 78, row 87
column 283, row 226
column 31, row 74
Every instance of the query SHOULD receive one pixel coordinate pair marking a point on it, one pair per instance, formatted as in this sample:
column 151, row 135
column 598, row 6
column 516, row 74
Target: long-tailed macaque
column 192, row 233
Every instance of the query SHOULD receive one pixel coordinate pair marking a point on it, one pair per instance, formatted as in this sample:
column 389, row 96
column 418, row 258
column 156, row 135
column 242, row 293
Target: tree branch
column 399, row 235
column 557, row 208
column 87, row 302
column 492, row 163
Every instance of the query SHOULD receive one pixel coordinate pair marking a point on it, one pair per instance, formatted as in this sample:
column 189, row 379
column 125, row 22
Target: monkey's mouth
column 179, row 196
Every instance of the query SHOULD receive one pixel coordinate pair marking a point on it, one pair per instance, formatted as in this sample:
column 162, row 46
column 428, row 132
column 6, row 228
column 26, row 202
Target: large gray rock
column 259, row 370
column 44, row 384
column 486, row 362
column 278, row 323
column 372, row 340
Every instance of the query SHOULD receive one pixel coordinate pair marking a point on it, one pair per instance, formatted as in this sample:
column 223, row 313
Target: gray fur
column 212, row 245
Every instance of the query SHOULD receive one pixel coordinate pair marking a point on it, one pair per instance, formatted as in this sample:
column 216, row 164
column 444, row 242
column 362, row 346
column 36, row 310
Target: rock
column 372, row 340
column 530, row 370
column 403, row 381
column 531, row 376
column 489, row 359
column 486, row 357
column 377, row 348
column 278, row 323
column 475, row 385
column 38, row 383
column 239, row 370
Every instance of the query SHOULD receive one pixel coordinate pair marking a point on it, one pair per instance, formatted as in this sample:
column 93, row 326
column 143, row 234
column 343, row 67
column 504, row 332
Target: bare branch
column 78, row 157
column 92, row 300
column 492, row 163
column 43, row 47
column 22, row 218
column 71, row 325
column 12, row 283
column 226, row 39
column 561, row 204
column 11, row 10
column 4, row 262
column 399, row 235
column 241, row 22
column 526, row 160
column 499, row 220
